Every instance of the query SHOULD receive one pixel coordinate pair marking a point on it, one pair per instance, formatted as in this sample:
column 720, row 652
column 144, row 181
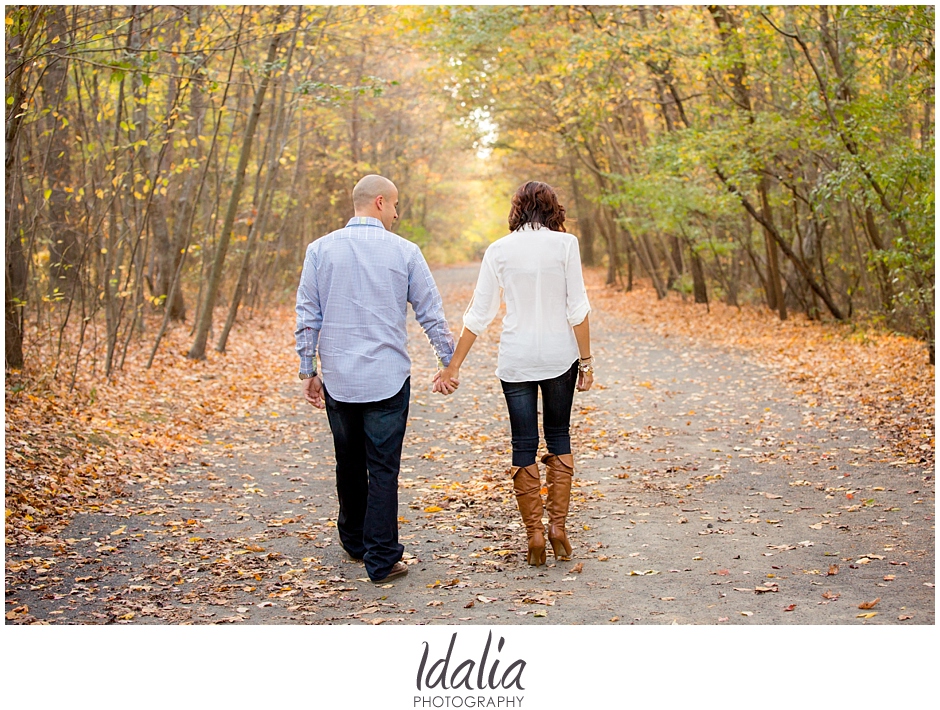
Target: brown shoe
column 527, row 487
column 399, row 569
column 558, row 473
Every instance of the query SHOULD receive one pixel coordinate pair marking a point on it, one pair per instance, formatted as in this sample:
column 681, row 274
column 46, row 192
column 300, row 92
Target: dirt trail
column 706, row 492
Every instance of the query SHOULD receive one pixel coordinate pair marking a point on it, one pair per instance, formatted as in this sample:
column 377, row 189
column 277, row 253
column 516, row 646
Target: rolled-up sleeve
column 309, row 315
column 485, row 302
column 578, row 306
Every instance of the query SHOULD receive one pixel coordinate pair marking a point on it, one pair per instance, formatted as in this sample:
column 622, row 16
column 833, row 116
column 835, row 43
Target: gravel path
column 706, row 492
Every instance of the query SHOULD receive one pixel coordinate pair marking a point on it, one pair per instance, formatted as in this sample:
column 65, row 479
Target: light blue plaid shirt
column 352, row 307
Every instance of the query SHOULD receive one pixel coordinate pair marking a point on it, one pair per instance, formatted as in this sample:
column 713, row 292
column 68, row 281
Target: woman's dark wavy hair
column 536, row 203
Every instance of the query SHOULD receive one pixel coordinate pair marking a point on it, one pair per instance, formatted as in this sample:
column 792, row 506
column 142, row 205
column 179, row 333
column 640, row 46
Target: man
column 352, row 308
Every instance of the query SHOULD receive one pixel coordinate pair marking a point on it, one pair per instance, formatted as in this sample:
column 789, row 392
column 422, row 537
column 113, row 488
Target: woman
column 545, row 344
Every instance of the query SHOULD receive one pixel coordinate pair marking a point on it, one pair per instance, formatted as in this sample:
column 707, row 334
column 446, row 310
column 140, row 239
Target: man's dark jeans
column 368, row 439
column 522, row 399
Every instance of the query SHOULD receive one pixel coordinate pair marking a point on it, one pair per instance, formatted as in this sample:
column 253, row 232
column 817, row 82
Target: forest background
column 166, row 167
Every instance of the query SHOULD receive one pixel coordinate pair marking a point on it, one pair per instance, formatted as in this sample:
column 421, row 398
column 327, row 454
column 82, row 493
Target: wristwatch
column 305, row 376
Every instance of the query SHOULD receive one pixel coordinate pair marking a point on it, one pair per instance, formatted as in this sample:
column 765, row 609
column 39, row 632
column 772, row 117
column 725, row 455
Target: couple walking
column 351, row 311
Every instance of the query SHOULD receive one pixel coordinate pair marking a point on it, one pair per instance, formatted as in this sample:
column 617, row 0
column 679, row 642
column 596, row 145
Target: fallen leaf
column 888, row 578
column 614, row 619
column 577, row 568
column 869, row 605
column 831, row 595
column 905, row 617
column 468, row 605
column 833, row 570
column 869, row 615
column 789, row 608
column 747, row 613
column 433, row 509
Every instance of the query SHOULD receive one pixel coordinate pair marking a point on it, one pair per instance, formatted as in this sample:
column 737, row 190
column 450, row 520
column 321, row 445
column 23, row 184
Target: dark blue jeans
column 522, row 399
column 368, row 438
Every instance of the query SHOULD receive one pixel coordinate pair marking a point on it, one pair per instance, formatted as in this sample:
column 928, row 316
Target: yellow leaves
column 433, row 509
column 17, row 613
column 119, row 531
column 869, row 615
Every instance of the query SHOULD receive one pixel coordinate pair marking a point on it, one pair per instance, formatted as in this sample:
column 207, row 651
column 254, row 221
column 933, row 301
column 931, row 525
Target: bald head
column 370, row 187
column 376, row 196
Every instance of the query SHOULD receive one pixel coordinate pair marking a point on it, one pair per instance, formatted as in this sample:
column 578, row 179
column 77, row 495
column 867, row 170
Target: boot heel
column 561, row 549
column 536, row 557
column 537, row 550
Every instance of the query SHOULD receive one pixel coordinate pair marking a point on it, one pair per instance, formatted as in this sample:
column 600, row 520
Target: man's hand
column 313, row 391
column 445, row 381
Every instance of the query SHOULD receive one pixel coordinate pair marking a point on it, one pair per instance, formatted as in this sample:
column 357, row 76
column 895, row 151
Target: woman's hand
column 447, row 381
column 585, row 380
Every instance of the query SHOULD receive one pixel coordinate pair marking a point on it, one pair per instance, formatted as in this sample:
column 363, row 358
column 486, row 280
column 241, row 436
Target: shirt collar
column 365, row 221
column 531, row 227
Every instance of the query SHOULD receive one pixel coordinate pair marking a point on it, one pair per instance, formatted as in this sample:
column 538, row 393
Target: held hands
column 446, row 381
column 313, row 391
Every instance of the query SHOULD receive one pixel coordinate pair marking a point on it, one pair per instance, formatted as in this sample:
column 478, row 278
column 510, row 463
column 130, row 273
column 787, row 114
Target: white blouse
column 539, row 273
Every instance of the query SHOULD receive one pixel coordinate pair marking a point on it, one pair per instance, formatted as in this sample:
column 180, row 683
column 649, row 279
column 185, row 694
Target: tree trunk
column 699, row 288
column 585, row 223
column 198, row 350
column 16, row 264
column 64, row 244
column 276, row 149
column 773, row 261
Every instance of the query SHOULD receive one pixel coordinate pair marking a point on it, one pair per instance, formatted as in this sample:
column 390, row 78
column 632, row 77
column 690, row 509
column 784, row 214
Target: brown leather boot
column 558, row 473
column 527, row 486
